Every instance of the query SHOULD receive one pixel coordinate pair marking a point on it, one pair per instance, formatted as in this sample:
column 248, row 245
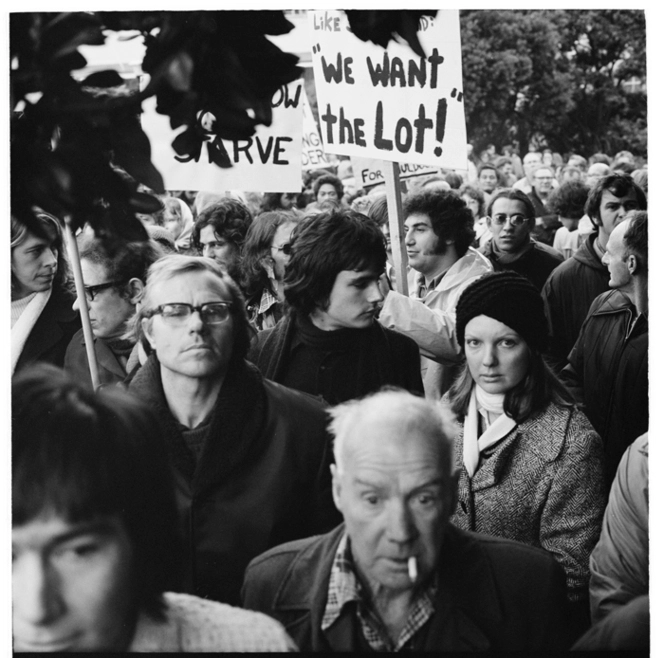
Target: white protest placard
column 313, row 156
column 389, row 103
column 269, row 161
column 369, row 172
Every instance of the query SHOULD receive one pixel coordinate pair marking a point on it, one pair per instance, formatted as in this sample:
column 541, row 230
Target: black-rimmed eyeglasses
column 285, row 248
column 178, row 314
column 91, row 291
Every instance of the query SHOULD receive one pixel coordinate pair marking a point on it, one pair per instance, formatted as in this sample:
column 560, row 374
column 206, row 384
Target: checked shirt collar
column 345, row 587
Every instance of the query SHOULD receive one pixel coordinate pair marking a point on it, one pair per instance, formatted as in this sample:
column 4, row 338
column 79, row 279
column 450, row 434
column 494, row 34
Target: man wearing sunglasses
column 250, row 457
column 511, row 218
column 114, row 284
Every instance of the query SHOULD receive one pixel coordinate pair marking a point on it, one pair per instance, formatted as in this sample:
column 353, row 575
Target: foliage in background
column 64, row 141
column 555, row 78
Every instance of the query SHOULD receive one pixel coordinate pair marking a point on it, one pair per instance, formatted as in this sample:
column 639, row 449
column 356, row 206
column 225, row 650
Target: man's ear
column 633, row 264
column 336, row 486
column 136, row 289
column 146, row 326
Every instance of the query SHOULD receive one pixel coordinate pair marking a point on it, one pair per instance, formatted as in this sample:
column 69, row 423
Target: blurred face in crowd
column 173, row 222
column 543, row 181
column 395, row 490
column 34, row 265
column 616, row 258
column 510, row 225
column 223, row 251
column 530, row 162
column 421, row 245
column 353, row 301
column 108, row 310
column 281, row 245
column 287, row 200
column 327, row 192
column 595, row 172
column 488, row 181
column 612, row 209
column 72, row 585
column 506, row 168
column 473, row 204
column 497, row 356
column 187, row 346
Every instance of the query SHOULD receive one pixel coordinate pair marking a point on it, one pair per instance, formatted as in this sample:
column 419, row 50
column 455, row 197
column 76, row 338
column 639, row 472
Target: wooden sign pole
column 395, row 213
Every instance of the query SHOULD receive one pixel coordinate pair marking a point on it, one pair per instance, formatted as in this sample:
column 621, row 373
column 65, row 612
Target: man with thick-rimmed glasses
column 114, row 282
column 250, row 457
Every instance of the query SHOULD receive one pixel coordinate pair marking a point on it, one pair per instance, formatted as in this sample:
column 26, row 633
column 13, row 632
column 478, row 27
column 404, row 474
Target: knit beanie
column 509, row 298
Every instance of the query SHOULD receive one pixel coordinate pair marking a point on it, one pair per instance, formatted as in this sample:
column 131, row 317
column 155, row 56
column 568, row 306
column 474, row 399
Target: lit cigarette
column 412, row 568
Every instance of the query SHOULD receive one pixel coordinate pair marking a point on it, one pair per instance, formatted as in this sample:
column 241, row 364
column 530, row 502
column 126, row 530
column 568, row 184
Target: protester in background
column 568, row 203
column 330, row 343
column 546, row 221
column 511, row 218
column 42, row 319
column 220, row 231
column 264, row 258
column 438, row 236
column 250, row 457
column 531, row 464
column 596, row 171
column 204, row 199
column 607, row 368
column 640, row 177
column 488, row 180
column 378, row 212
column 474, row 199
column 397, row 576
column 179, row 221
column 328, row 188
column 114, row 278
column 572, row 287
column 278, row 201
column 531, row 161
column 506, row 168
column 95, row 545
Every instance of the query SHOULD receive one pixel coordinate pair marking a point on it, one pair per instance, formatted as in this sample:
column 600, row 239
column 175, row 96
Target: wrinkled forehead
column 188, row 283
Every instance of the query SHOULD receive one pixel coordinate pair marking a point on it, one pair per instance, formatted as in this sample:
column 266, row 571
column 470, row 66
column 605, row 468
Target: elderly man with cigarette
column 396, row 575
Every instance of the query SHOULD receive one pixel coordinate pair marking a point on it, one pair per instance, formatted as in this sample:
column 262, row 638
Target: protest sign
column 313, row 156
column 269, row 161
column 389, row 103
column 369, row 173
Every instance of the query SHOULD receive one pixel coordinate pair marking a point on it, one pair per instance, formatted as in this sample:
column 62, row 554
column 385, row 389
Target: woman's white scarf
column 183, row 240
column 25, row 324
column 472, row 445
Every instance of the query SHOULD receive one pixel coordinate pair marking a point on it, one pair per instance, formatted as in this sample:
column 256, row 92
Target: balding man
column 396, row 575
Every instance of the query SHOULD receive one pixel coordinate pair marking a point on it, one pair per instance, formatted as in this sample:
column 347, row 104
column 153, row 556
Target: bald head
column 389, row 419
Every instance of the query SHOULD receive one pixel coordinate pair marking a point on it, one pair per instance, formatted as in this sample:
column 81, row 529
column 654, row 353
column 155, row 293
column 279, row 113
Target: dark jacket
column 535, row 264
column 493, row 594
column 52, row 332
column 385, row 357
column 568, row 293
column 608, row 373
column 262, row 477
column 110, row 369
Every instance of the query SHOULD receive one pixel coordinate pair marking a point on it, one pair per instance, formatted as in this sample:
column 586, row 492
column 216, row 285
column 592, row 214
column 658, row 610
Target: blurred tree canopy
column 69, row 136
column 555, row 78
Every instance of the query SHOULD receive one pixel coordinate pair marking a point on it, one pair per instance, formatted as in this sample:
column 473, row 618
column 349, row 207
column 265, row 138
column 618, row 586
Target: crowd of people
column 281, row 451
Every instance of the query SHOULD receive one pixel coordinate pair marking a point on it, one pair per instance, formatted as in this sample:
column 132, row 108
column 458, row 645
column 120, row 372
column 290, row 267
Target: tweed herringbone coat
column 543, row 485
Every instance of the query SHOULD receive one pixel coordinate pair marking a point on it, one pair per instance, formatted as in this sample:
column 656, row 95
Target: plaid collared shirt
column 423, row 289
column 345, row 587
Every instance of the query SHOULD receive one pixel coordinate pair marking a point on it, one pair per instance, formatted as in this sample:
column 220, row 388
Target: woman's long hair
column 539, row 388
column 63, row 280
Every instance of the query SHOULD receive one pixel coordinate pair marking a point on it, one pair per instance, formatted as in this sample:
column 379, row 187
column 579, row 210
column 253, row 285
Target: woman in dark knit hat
column 531, row 465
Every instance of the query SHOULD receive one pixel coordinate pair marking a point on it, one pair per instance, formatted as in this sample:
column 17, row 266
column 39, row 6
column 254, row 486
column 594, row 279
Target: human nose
column 410, row 237
column 401, row 528
column 375, row 293
column 36, row 592
column 208, row 251
column 195, row 321
column 489, row 356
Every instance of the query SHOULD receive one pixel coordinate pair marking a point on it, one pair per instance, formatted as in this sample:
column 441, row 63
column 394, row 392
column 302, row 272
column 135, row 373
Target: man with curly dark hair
column 220, row 231
column 439, row 232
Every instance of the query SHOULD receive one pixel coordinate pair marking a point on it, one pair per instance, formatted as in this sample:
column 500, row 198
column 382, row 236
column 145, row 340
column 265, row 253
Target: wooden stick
column 395, row 213
column 75, row 260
